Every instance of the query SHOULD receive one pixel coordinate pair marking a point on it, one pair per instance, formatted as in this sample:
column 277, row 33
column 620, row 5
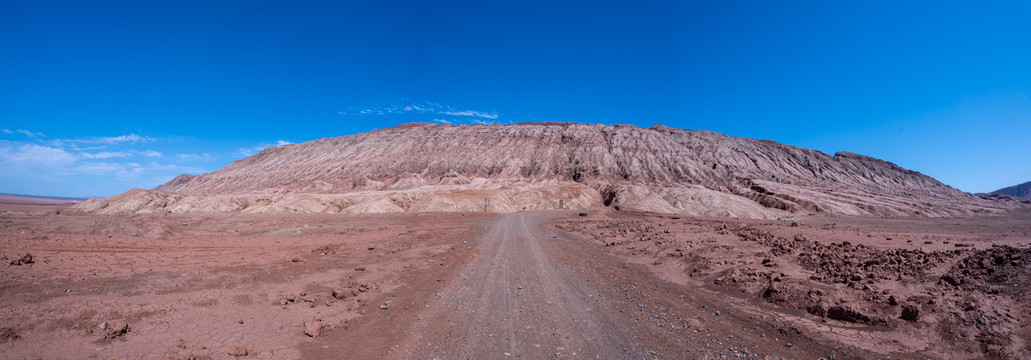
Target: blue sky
column 100, row 97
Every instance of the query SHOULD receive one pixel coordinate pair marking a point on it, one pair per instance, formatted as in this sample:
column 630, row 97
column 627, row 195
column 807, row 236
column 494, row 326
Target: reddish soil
column 906, row 287
column 525, row 285
column 157, row 287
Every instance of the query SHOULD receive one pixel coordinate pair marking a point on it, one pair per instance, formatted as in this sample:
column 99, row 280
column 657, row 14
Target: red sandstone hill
column 429, row 167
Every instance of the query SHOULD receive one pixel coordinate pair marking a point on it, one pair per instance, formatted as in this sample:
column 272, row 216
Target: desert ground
column 541, row 284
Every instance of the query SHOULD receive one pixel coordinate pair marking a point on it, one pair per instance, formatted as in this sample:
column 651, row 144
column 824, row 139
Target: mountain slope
column 429, row 167
column 1022, row 191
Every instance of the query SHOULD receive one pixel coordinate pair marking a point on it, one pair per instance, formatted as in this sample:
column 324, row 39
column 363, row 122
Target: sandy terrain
column 547, row 284
column 23, row 203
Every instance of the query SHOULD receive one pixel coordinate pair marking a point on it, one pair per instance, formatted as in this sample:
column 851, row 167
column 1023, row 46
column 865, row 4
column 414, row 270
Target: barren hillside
column 428, row 167
column 1022, row 191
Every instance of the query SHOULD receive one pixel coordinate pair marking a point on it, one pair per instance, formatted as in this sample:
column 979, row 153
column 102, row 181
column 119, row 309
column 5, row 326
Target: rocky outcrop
column 429, row 167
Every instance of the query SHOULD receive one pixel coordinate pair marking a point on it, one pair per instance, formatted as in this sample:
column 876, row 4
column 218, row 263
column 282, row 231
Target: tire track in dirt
column 517, row 300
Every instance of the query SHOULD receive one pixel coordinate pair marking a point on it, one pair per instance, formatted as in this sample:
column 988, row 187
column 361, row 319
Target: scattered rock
column 237, row 351
column 24, row 260
column 384, row 307
column 116, row 330
column 313, row 327
column 910, row 312
column 794, row 224
column 296, row 260
column 848, row 314
column 359, row 268
column 343, row 293
column 951, row 280
column 8, row 334
column 327, row 249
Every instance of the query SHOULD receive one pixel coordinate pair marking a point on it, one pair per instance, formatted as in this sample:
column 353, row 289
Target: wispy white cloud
column 173, row 167
column 128, row 171
column 248, row 151
column 473, row 114
column 150, row 153
column 426, row 107
column 194, row 157
column 64, row 160
column 442, row 121
column 131, row 138
column 110, row 140
column 86, row 163
column 96, row 168
column 28, row 133
column 23, row 158
column 130, row 174
column 104, row 155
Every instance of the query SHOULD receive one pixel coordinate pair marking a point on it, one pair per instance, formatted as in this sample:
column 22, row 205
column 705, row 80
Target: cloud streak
column 194, row 157
column 23, row 132
column 426, row 107
column 473, row 114
column 150, row 153
column 104, row 155
column 131, row 138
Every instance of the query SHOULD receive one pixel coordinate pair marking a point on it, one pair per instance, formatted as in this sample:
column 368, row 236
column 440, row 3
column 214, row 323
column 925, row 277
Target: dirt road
column 531, row 291
column 518, row 299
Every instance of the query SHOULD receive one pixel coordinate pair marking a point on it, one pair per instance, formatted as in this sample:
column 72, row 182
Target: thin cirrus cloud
column 105, row 155
column 150, row 153
column 194, row 157
column 427, row 108
column 473, row 114
column 23, row 132
column 113, row 140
